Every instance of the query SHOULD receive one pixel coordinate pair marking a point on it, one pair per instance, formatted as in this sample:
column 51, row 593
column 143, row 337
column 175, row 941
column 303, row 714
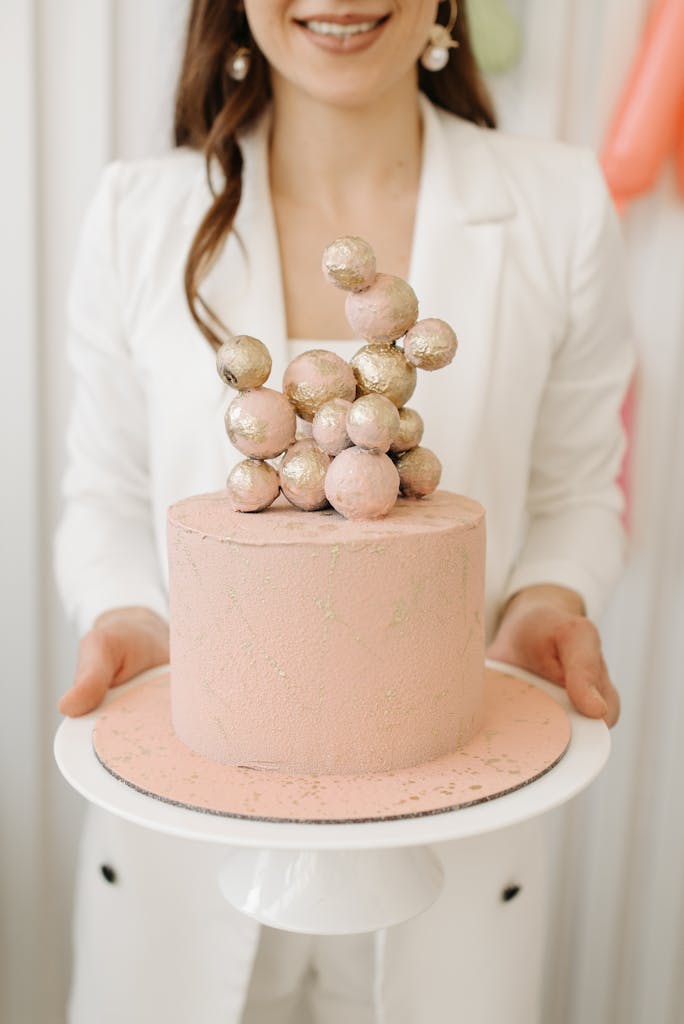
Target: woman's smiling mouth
column 345, row 34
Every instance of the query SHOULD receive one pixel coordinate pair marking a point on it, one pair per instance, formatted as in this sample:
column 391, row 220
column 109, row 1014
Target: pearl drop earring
column 239, row 63
column 435, row 56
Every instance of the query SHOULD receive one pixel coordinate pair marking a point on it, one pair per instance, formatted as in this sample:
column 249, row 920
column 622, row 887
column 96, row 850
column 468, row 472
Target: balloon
column 495, row 35
column 643, row 130
column 648, row 125
column 679, row 156
column 625, row 477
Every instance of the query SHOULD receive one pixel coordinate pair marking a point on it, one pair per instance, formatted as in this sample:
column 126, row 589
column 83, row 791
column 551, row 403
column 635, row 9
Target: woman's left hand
column 544, row 630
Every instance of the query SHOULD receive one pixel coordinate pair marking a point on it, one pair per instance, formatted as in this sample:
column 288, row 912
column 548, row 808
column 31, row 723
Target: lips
column 352, row 18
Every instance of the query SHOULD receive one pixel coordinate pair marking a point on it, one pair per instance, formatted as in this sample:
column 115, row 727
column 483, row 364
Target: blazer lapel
column 456, row 263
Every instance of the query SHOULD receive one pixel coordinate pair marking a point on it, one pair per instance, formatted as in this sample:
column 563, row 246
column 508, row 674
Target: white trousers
column 311, row 979
column 156, row 942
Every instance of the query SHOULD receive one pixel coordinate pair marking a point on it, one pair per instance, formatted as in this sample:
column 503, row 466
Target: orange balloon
column 644, row 128
column 679, row 156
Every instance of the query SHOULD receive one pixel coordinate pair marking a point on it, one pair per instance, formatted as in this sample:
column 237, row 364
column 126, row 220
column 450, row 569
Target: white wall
column 87, row 80
column 21, row 759
column 83, row 81
column 617, row 932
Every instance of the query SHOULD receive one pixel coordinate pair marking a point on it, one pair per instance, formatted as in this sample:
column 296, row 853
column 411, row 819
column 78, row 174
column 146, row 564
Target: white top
column 516, row 244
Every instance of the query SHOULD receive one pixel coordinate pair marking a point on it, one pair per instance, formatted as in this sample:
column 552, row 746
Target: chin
column 356, row 89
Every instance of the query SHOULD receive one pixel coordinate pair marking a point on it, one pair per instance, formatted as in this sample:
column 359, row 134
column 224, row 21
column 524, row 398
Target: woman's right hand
column 122, row 643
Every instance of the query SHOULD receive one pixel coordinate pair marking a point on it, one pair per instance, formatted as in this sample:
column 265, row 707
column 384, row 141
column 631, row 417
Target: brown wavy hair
column 212, row 109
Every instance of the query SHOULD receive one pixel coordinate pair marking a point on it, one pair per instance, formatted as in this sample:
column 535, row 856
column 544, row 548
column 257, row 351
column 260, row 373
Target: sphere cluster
column 364, row 444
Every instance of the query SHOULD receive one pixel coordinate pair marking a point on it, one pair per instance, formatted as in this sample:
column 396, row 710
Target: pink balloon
column 643, row 129
column 628, row 413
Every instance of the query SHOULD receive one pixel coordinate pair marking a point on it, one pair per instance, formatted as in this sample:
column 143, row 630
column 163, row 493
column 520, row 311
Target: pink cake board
column 525, row 733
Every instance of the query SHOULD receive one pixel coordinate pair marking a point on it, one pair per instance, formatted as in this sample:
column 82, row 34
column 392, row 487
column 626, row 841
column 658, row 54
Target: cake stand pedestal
column 335, row 878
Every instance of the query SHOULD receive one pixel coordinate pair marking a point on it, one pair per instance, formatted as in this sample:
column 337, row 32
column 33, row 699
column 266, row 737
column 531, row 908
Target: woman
column 318, row 120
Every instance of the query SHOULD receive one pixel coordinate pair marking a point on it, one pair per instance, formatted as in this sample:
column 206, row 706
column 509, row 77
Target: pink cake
column 306, row 642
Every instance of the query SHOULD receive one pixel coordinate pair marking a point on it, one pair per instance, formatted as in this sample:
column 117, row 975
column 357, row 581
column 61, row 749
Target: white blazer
column 517, row 246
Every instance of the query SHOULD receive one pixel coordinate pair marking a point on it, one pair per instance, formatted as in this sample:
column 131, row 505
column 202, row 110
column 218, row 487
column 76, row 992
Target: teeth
column 329, row 28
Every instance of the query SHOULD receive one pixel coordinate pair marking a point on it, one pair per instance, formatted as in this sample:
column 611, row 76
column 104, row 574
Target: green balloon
column 495, row 35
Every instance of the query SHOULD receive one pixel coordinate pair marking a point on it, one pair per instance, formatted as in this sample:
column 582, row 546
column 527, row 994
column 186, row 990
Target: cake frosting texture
column 304, row 642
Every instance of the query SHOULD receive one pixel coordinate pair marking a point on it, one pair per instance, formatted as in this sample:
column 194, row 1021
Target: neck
column 339, row 157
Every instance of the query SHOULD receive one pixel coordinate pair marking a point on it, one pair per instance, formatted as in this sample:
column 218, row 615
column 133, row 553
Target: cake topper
column 363, row 447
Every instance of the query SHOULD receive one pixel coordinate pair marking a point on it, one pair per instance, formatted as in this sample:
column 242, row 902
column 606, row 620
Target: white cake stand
column 343, row 878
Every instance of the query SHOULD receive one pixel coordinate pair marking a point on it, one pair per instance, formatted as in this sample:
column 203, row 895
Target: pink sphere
column 384, row 311
column 316, row 377
column 373, row 422
column 430, row 344
column 349, row 263
column 252, row 486
column 260, row 423
column 410, row 430
column 302, row 475
column 329, row 426
column 361, row 484
column 419, row 472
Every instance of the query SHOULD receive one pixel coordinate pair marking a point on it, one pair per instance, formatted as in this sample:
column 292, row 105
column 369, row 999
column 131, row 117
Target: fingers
column 97, row 667
column 563, row 647
column 610, row 695
column 527, row 640
column 586, row 677
column 122, row 643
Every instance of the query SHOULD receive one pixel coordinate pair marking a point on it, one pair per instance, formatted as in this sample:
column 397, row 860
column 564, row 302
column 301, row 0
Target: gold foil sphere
column 302, row 475
column 316, row 377
column 349, row 263
column 243, row 362
column 384, row 370
column 329, row 427
column 260, row 423
column 252, row 485
column 410, row 432
column 419, row 472
column 430, row 344
column 373, row 422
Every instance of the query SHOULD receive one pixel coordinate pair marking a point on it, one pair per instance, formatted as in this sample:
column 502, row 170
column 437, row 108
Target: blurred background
column 86, row 81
